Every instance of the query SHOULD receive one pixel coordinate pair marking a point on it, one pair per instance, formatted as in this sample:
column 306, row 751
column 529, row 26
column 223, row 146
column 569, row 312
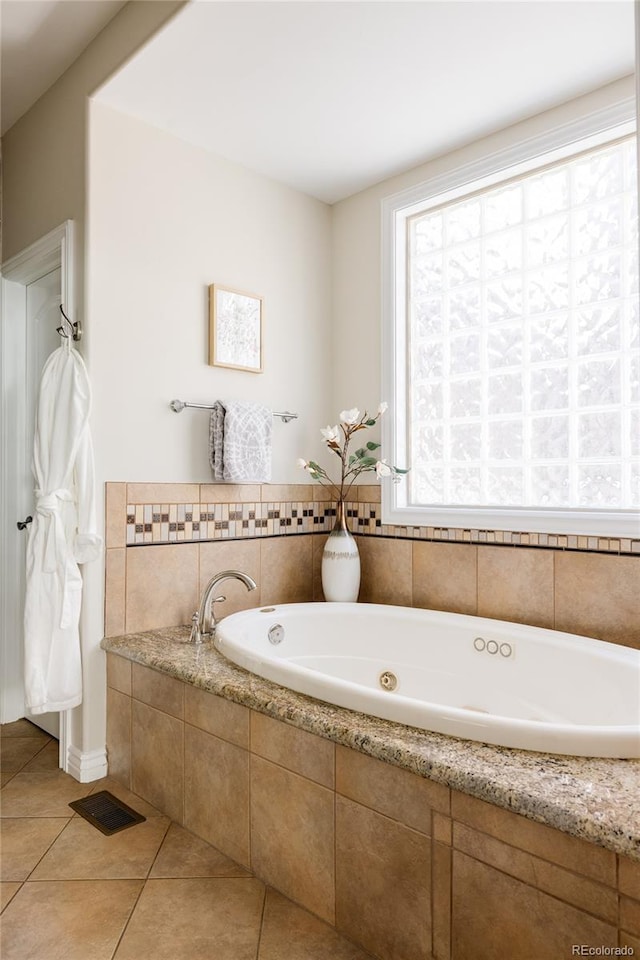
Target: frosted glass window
column 523, row 343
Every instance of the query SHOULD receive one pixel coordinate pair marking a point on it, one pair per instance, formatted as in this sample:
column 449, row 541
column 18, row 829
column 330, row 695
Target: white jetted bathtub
column 479, row 679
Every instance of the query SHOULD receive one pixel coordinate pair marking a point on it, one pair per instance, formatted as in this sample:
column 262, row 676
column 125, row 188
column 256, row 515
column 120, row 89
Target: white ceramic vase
column 341, row 562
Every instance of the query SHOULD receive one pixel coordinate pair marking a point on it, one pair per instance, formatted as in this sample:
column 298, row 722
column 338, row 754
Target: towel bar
column 178, row 406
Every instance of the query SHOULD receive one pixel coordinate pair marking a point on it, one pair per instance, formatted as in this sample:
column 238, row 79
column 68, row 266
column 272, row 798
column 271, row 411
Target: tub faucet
column 204, row 622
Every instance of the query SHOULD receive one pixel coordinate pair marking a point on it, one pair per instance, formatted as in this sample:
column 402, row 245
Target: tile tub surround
column 529, row 579
column 414, row 845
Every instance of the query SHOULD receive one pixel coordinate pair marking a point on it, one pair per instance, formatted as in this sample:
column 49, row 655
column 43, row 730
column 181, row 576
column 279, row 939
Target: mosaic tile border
column 156, row 523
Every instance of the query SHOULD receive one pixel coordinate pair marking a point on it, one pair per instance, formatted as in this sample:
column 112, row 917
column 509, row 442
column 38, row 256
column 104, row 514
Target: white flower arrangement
column 352, row 465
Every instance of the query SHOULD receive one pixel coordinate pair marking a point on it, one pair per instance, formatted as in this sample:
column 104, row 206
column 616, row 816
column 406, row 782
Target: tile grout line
column 262, row 919
column 55, row 839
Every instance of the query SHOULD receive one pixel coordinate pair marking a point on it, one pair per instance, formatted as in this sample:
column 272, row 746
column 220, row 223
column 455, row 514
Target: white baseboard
column 86, row 767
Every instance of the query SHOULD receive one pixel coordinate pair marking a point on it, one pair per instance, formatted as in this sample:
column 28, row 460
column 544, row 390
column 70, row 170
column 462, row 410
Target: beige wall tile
column 386, row 571
column 495, row 916
column 119, row 673
column 162, row 586
column 441, row 887
column 598, row 596
column 279, row 492
column 570, row 852
column 368, row 492
column 292, row 836
column 383, row 883
column 157, row 759
column 119, row 736
column 216, row 799
column 223, row 718
column 115, row 515
column 442, row 829
column 295, row 749
column 628, row 940
column 158, row 690
column 163, row 493
column 445, row 577
column 115, row 592
column 285, row 570
column 516, row 584
column 397, row 793
column 231, row 555
column 229, row 493
column 630, row 915
column 629, row 877
column 584, row 893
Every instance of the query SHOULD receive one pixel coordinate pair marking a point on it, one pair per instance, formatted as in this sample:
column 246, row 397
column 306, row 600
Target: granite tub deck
column 597, row 800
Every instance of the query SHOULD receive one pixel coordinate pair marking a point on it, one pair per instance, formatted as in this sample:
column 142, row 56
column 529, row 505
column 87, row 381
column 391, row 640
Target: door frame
column 48, row 253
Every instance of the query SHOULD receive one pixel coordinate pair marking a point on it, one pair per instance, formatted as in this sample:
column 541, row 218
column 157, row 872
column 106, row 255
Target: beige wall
column 167, row 219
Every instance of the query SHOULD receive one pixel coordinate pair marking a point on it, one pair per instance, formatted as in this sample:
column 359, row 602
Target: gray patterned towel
column 216, row 440
column 247, row 442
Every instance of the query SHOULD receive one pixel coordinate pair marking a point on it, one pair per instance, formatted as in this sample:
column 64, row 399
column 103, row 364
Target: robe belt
column 55, row 542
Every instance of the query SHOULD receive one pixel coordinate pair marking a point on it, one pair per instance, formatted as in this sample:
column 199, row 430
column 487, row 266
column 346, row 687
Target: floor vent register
column 106, row 812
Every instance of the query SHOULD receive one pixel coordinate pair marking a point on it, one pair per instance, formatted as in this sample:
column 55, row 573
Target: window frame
column 555, row 144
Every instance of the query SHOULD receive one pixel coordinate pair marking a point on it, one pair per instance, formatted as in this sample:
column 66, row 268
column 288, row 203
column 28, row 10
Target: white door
column 43, row 298
column 32, row 285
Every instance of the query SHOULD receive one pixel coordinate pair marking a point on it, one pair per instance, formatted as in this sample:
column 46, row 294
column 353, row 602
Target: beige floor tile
column 82, row 852
column 290, row 932
column 23, row 728
column 122, row 793
column 41, row 795
column 195, row 920
column 182, row 854
column 7, row 892
column 76, row 919
column 15, row 752
column 46, row 760
column 24, row 842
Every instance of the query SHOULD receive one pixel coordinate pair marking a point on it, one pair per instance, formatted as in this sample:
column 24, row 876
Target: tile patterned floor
column 152, row 892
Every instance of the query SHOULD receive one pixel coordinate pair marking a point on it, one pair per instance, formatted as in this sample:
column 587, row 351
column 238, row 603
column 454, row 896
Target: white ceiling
column 40, row 39
column 331, row 97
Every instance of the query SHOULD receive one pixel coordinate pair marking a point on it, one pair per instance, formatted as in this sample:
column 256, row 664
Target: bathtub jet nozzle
column 388, row 680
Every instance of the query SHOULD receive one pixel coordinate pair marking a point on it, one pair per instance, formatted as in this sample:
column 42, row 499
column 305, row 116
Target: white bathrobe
column 62, row 535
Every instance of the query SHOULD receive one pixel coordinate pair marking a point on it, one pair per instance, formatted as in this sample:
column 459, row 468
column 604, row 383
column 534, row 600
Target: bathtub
column 469, row 677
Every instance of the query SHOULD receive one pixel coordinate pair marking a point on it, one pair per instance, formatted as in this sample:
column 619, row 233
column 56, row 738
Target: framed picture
column 235, row 329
